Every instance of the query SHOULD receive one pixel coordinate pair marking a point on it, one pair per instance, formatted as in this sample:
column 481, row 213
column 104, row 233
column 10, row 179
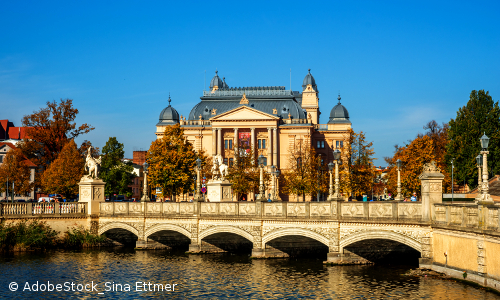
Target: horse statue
column 222, row 167
column 93, row 165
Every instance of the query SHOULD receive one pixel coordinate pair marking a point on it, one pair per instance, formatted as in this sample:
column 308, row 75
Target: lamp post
column 197, row 196
column 479, row 162
column 452, row 169
column 262, row 196
column 485, row 197
column 330, row 191
column 273, row 189
column 145, row 196
column 399, row 197
column 336, row 158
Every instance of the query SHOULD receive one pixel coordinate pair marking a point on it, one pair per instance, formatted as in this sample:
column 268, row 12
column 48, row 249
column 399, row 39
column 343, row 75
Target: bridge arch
column 294, row 231
column 225, row 229
column 380, row 234
column 117, row 225
column 171, row 227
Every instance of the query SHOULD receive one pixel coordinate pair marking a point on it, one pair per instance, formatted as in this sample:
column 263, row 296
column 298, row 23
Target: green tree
column 172, row 162
column 480, row 115
column 64, row 173
column 115, row 172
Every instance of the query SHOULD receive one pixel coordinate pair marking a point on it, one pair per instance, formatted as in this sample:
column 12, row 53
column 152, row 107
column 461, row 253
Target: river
column 213, row 276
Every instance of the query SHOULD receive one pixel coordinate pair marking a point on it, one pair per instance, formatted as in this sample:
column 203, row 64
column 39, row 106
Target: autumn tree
column 172, row 162
column 115, row 172
column 301, row 176
column 64, row 173
column 15, row 169
column 413, row 157
column 244, row 174
column 362, row 167
column 48, row 130
column 480, row 116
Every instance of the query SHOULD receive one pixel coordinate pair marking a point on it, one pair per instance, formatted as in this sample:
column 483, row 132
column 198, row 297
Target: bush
column 79, row 237
column 27, row 235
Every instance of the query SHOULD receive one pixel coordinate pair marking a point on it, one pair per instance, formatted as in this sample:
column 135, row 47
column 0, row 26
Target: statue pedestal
column 91, row 191
column 219, row 190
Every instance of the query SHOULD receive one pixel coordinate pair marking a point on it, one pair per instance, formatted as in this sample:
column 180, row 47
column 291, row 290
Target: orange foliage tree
column 15, row 169
column 172, row 161
column 413, row 157
column 301, row 177
column 48, row 130
column 64, row 173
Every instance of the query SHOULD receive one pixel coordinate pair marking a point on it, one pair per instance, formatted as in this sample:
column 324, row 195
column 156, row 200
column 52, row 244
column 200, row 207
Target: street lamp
column 197, row 196
column 399, row 163
column 485, row 197
column 330, row 191
column 145, row 196
column 452, row 169
column 479, row 162
column 261, row 197
column 336, row 158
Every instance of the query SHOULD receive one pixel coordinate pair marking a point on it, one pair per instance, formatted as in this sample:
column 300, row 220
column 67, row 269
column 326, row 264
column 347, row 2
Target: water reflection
column 218, row 277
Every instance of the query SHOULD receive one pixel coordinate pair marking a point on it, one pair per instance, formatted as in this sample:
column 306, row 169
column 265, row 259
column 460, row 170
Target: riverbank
column 37, row 235
column 428, row 273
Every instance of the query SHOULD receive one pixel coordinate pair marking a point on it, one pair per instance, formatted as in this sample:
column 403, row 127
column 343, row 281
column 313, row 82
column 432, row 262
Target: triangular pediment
column 244, row 113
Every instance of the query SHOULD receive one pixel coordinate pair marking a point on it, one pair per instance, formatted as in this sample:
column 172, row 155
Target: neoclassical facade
column 269, row 119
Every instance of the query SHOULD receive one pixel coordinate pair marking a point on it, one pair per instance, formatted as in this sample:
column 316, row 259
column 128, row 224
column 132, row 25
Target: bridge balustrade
column 395, row 211
column 43, row 208
column 466, row 216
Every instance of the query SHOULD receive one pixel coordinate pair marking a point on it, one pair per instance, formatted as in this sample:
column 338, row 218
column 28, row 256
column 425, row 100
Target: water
column 214, row 276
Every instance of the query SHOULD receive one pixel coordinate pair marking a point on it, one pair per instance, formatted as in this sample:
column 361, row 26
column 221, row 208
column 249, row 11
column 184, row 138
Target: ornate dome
column 216, row 81
column 309, row 79
column 169, row 116
column 339, row 114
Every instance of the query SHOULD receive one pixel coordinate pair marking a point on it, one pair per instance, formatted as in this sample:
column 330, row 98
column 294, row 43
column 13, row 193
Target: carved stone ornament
column 431, row 167
column 244, row 99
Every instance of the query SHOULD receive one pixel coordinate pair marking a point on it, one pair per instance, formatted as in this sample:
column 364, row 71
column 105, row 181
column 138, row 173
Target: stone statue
column 93, row 165
column 431, row 167
column 219, row 168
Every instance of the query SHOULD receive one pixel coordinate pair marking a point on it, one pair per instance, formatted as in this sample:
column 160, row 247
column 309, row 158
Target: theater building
column 271, row 120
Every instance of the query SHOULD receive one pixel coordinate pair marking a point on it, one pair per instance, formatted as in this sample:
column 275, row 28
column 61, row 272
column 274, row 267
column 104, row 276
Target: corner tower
column 310, row 97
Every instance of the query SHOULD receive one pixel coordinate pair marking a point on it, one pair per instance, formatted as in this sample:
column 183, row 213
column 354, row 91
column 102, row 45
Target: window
column 228, row 144
column 225, row 161
column 320, row 144
column 265, row 160
column 231, row 162
column 299, row 162
column 261, row 143
column 1, row 159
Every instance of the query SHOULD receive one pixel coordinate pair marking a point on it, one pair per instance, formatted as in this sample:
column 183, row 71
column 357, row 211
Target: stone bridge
column 333, row 224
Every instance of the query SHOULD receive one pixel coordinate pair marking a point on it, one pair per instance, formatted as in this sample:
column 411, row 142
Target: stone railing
column 359, row 211
column 44, row 208
column 466, row 216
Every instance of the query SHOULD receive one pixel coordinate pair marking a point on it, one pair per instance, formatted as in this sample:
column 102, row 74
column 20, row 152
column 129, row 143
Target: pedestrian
column 414, row 197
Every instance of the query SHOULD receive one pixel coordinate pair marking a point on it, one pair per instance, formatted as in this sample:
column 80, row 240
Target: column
column 235, row 144
column 214, row 142
column 219, row 141
column 252, row 143
column 275, row 147
column 269, row 148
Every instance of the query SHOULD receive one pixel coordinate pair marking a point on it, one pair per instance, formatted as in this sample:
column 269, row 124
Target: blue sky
column 397, row 64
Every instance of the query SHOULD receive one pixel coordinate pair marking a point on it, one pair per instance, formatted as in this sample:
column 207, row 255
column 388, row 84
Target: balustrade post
column 431, row 181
